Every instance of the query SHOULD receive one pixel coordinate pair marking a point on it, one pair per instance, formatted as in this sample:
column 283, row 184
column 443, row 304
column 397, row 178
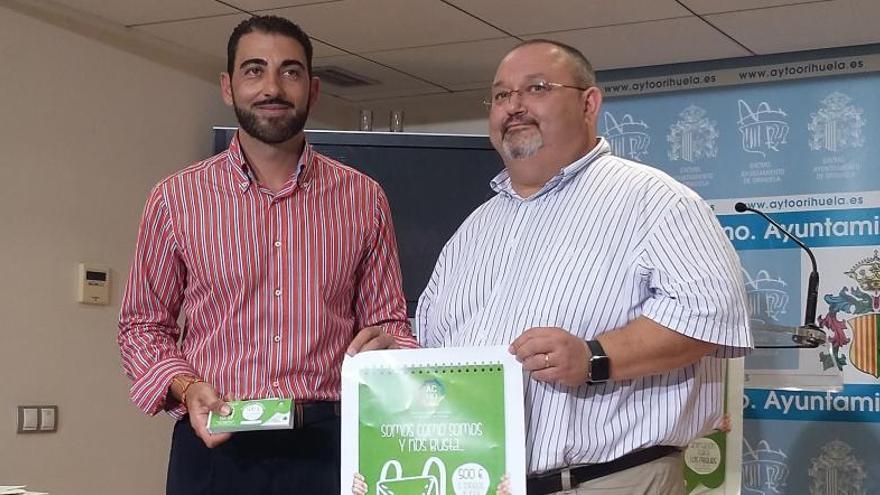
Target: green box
column 247, row 415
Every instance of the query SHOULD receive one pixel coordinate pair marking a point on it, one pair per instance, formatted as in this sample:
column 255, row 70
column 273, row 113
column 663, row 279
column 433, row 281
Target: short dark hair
column 583, row 72
column 269, row 24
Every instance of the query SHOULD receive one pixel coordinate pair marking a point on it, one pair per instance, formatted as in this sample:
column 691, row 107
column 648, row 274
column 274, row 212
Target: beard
column 522, row 143
column 271, row 130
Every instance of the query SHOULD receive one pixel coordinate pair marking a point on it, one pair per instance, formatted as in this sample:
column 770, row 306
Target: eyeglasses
column 534, row 91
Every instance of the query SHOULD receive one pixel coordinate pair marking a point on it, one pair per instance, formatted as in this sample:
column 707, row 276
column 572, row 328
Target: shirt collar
column 239, row 165
column 501, row 182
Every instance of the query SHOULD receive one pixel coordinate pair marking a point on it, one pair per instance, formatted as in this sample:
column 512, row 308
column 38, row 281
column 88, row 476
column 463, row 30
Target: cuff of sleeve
column 733, row 341
column 402, row 334
column 149, row 392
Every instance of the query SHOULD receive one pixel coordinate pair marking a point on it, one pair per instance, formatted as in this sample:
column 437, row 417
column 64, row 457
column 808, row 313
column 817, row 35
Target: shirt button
column 277, row 292
column 277, row 243
column 277, row 338
column 275, row 384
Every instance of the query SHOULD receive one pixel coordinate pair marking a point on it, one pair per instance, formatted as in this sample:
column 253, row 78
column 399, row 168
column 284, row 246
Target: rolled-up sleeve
column 695, row 278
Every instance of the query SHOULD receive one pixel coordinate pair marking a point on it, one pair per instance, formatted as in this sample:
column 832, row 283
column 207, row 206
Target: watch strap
column 596, row 348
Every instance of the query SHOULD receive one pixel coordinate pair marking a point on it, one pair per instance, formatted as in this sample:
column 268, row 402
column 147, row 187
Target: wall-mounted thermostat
column 94, row 284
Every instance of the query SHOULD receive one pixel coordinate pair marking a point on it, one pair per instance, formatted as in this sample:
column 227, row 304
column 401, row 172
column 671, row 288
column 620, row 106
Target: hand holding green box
column 248, row 415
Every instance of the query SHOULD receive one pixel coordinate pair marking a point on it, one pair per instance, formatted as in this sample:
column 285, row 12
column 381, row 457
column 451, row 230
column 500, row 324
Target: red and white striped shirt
column 273, row 286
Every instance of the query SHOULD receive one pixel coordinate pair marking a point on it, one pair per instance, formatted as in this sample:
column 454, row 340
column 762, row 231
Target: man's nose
column 515, row 107
column 271, row 86
column 515, row 103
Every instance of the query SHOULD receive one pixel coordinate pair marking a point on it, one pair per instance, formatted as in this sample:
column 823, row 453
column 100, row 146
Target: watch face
column 600, row 368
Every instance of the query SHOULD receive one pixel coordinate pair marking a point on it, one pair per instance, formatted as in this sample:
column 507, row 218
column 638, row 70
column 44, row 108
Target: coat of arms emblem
column 693, row 137
column 863, row 304
column 837, row 471
column 837, row 125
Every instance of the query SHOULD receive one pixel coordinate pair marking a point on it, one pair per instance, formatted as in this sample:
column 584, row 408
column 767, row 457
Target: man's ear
column 314, row 90
column 226, row 88
column 592, row 103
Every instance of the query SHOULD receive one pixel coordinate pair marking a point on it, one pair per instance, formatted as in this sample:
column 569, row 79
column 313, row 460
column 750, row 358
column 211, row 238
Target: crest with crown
column 837, row 125
column 836, row 102
column 692, row 114
column 693, row 136
column 866, row 273
column 837, row 471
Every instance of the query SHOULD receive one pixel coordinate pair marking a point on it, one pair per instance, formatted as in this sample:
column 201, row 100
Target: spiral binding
column 435, row 369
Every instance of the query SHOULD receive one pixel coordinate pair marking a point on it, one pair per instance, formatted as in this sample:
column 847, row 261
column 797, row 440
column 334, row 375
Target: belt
column 307, row 413
column 566, row 479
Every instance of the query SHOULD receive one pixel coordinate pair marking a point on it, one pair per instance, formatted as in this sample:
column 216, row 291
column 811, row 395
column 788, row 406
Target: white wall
column 86, row 130
column 92, row 118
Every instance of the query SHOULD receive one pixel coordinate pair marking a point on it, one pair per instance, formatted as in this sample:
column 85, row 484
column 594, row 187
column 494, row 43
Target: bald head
column 543, row 110
column 581, row 69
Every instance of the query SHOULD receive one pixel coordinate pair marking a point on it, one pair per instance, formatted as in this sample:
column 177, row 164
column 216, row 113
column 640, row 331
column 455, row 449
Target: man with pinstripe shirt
column 612, row 283
column 282, row 261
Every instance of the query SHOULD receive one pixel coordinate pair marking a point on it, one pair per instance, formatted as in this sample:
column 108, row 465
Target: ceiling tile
column 458, row 65
column 128, row 12
column 257, row 5
column 369, row 25
column 323, row 50
column 650, row 43
column 389, row 81
column 521, row 17
column 210, row 35
column 207, row 36
column 803, row 27
column 717, row 6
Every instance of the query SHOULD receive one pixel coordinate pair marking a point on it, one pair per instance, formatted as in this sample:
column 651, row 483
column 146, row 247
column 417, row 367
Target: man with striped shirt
column 612, row 283
column 282, row 260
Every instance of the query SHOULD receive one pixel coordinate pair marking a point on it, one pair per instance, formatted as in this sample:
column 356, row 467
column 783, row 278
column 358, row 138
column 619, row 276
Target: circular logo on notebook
column 252, row 412
column 703, row 456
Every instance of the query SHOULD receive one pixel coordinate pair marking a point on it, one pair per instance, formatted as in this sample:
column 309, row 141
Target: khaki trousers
column 664, row 476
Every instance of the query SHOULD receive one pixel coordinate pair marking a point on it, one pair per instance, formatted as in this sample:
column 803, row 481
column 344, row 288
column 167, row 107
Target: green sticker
column 262, row 414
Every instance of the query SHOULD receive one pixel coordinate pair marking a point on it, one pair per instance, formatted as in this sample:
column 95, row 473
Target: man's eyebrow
column 295, row 62
column 253, row 61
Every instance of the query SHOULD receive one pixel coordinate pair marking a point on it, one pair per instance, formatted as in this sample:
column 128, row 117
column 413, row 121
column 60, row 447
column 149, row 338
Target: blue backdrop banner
column 803, row 151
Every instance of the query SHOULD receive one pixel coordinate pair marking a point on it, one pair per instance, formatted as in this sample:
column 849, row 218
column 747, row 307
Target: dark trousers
column 303, row 460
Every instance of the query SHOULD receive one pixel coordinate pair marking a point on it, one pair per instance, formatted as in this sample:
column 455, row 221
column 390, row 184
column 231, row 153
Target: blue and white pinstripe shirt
column 605, row 241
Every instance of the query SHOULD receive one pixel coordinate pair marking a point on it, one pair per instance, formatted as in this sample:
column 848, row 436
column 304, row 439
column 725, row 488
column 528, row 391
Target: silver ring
column 546, row 360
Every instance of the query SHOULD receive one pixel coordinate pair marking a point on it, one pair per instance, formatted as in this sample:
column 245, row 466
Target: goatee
column 522, row 143
column 271, row 130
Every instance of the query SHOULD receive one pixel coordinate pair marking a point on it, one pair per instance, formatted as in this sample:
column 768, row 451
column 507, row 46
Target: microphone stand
column 808, row 335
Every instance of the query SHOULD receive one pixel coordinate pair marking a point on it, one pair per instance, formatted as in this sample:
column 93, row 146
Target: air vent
column 338, row 76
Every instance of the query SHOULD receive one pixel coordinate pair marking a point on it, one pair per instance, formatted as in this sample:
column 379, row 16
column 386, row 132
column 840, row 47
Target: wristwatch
column 599, row 365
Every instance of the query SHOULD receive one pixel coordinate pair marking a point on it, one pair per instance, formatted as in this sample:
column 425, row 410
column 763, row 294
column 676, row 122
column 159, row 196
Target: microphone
column 809, row 333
